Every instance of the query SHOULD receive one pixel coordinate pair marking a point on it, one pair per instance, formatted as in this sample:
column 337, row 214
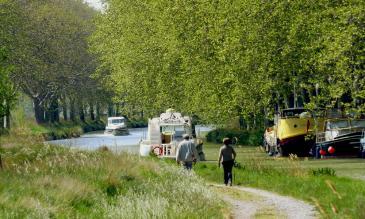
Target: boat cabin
column 165, row 133
column 116, row 126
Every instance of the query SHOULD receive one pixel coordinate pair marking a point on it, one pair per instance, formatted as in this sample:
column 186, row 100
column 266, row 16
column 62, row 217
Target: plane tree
column 224, row 59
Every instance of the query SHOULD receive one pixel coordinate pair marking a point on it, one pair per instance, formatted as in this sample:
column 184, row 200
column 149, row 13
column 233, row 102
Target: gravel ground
column 270, row 204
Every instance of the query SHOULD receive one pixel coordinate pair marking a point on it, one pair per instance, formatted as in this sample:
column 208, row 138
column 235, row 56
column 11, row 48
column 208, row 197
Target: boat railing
column 320, row 137
column 168, row 149
column 348, row 130
column 328, row 135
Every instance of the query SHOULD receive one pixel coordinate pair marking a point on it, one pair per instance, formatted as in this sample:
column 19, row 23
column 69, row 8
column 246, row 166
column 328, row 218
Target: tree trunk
column 254, row 121
column 54, row 111
column 7, row 117
column 1, row 163
column 286, row 102
column 47, row 115
column 72, row 110
column 91, row 111
column 64, row 109
column 81, row 112
column 116, row 110
column 98, row 111
column 110, row 110
column 38, row 111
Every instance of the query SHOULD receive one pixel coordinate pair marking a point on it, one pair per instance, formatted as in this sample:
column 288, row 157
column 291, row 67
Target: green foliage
column 323, row 172
column 222, row 59
column 244, row 137
column 137, row 123
column 7, row 26
column 45, row 44
column 89, row 126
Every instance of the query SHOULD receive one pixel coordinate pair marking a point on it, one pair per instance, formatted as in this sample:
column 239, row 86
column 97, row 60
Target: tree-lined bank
column 222, row 59
column 44, row 54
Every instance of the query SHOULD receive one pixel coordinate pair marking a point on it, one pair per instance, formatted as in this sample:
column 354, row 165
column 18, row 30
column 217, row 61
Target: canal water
column 128, row 143
column 95, row 140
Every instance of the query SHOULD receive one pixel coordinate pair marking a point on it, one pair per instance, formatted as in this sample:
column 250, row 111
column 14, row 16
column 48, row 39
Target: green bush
column 66, row 129
column 244, row 137
column 327, row 171
column 137, row 123
column 90, row 126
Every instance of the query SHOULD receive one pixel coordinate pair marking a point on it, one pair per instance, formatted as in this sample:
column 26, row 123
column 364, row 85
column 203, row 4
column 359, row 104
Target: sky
column 95, row 3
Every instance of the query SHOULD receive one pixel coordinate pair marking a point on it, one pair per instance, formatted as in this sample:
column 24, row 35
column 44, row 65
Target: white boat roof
column 172, row 118
column 116, row 117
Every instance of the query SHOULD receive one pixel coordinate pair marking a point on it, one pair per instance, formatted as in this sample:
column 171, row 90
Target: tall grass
column 334, row 196
column 43, row 181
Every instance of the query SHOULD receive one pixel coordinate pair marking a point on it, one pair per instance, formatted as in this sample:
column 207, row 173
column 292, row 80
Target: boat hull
column 347, row 144
column 117, row 132
column 299, row 145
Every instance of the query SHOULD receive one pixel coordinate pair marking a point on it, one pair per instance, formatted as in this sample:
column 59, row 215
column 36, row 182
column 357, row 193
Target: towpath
column 256, row 203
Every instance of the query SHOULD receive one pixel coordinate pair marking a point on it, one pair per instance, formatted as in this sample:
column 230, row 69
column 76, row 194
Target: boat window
column 116, row 121
column 358, row 123
column 292, row 112
column 179, row 131
column 338, row 124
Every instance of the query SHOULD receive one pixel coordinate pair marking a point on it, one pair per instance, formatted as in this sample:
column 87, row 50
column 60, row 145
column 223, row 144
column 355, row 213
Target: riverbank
column 97, row 184
column 56, row 131
column 70, row 129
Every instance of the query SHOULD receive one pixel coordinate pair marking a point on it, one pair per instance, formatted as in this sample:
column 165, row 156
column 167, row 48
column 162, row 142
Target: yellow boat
column 292, row 131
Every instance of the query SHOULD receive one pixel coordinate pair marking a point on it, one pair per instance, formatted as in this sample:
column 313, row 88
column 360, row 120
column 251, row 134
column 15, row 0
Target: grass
column 42, row 181
column 332, row 191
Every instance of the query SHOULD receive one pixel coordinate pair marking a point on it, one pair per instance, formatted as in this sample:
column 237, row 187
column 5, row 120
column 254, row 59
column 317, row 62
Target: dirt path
column 256, row 203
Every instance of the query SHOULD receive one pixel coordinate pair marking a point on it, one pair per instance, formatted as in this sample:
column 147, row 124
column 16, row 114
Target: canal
column 128, row 143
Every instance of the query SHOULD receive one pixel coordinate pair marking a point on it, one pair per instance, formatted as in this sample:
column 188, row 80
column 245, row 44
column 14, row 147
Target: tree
column 223, row 59
column 52, row 61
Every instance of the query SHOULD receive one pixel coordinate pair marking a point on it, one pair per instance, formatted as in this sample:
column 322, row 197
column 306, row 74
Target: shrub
column 90, row 126
column 137, row 123
column 323, row 172
column 244, row 137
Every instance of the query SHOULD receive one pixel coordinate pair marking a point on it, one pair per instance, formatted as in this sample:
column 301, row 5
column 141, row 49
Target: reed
column 43, row 181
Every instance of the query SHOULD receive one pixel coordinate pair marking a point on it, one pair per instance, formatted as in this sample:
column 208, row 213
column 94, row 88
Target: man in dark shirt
column 227, row 155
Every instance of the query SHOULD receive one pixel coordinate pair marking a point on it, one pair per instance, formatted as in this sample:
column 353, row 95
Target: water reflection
column 117, row 144
column 95, row 140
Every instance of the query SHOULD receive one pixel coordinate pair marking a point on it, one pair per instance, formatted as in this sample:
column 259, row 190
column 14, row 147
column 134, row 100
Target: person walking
column 227, row 155
column 186, row 153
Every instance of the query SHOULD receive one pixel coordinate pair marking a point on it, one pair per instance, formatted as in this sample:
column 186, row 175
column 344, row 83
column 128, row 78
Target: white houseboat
column 165, row 133
column 116, row 126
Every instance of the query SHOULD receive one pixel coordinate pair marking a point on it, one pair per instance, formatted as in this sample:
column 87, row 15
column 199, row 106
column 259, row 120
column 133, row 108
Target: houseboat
column 116, row 126
column 164, row 133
